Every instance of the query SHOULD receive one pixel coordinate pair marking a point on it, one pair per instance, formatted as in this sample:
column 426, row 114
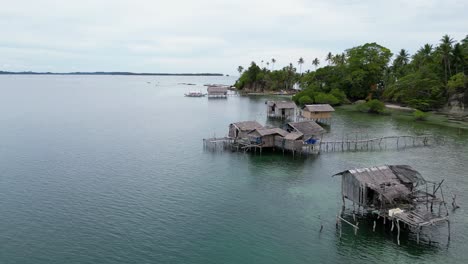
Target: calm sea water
column 111, row 169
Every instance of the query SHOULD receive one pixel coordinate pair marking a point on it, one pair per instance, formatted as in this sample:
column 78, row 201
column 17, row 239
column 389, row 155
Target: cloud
column 208, row 35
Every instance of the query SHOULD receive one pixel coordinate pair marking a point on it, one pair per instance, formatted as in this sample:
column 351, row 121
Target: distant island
column 113, row 73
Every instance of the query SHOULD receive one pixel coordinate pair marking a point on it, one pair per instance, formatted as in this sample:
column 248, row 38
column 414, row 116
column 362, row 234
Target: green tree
column 445, row 49
column 329, row 58
column 300, row 62
column 240, row 69
column 305, row 100
column 316, row 63
column 366, row 67
column 400, row 63
column 273, row 61
column 457, row 83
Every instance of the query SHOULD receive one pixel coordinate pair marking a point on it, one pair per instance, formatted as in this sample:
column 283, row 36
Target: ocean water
column 111, row 169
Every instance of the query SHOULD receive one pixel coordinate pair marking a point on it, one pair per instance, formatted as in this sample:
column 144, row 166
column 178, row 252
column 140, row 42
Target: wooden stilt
column 417, row 235
column 448, row 227
column 398, row 236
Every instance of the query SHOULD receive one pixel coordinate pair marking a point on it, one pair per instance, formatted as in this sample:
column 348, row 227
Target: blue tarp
column 311, row 141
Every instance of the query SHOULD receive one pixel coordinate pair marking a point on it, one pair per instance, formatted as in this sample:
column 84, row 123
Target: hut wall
column 268, row 141
column 353, row 189
column 278, row 112
column 316, row 115
column 233, row 131
column 288, row 144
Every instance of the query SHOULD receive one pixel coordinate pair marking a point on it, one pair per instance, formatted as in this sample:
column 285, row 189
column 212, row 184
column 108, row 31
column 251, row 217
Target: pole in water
column 356, row 228
column 398, row 236
column 448, row 225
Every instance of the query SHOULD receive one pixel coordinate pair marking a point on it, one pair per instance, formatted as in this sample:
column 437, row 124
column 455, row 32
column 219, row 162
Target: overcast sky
column 208, row 35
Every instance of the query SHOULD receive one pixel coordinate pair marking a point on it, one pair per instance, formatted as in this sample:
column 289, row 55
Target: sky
column 178, row 36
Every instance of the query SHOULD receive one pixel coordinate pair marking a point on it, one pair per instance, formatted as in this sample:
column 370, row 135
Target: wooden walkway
column 375, row 143
column 372, row 144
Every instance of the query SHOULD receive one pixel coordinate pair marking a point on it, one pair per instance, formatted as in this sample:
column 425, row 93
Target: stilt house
column 217, row 91
column 396, row 192
column 318, row 112
column 266, row 136
column 241, row 129
column 305, row 130
column 281, row 109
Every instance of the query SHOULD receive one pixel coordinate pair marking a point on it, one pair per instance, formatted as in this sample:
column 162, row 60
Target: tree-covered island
column 428, row 80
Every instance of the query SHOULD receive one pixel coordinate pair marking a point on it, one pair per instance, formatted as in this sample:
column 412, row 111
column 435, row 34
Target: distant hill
column 114, row 73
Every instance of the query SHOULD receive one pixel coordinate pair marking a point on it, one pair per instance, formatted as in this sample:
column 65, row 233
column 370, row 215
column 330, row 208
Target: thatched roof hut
column 241, row 129
column 266, row 136
column 382, row 186
column 317, row 111
column 281, row 109
column 217, row 91
column 397, row 192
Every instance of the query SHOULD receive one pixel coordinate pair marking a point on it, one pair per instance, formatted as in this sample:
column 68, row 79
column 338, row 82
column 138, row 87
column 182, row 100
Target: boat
column 194, row 94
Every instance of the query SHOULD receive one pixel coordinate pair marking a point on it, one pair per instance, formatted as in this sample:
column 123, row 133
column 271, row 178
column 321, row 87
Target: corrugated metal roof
column 387, row 180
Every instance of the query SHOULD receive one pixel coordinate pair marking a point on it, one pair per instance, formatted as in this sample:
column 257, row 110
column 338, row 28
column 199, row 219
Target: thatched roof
column 282, row 104
column 319, row 108
column 389, row 181
column 247, row 125
column 307, row 128
column 269, row 131
column 293, row 136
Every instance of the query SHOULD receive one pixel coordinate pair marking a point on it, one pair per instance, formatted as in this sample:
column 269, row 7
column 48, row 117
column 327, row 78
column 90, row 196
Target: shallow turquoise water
column 111, row 169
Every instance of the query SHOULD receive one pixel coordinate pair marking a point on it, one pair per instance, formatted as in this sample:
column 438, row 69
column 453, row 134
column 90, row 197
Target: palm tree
column 316, row 63
column 262, row 63
column 400, row 62
column 458, row 57
column 240, row 69
column 329, row 57
column 403, row 57
column 300, row 62
column 446, row 49
column 273, row 63
column 423, row 55
column 268, row 64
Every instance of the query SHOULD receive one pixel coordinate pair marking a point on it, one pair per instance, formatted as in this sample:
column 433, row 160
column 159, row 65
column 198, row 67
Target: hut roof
column 307, row 128
column 319, row 108
column 217, row 89
column 293, row 135
column 285, row 104
column 270, row 131
column 247, row 125
column 389, row 181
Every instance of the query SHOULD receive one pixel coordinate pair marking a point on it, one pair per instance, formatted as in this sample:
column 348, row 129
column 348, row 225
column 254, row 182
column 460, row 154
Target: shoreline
column 434, row 118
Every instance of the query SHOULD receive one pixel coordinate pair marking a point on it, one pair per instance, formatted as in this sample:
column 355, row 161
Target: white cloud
column 209, row 35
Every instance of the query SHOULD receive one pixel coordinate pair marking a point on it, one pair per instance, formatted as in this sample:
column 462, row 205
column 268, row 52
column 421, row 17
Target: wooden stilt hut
column 318, row 112
column 395, row 192
column 281, row 109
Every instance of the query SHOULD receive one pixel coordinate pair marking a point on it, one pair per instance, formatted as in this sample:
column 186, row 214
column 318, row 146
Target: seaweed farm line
column 370, row 144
